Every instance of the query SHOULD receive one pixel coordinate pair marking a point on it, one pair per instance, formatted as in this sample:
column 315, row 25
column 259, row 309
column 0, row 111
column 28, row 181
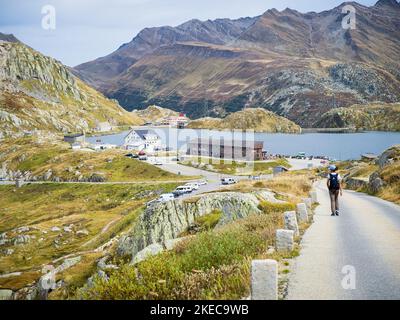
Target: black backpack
column 334, row 183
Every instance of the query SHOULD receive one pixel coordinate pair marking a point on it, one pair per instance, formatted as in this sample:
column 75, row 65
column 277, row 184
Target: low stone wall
column 264, row 273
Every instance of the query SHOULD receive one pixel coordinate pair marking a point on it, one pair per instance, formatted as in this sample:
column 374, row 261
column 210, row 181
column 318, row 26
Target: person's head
column 332, row 168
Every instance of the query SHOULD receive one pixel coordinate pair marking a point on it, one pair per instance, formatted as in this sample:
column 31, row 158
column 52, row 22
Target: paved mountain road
column 366, row 236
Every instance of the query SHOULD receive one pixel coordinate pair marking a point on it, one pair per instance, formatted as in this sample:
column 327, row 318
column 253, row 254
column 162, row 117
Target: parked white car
column 194, row 186
column 166, row 197
column 227, row 181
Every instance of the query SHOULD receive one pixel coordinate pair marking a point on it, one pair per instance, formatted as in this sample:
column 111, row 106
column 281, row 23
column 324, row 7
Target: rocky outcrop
column 356, row 183
column 256, row 119
column 384, row 175
column 166, row 221
column 374, row 117
column 155, row 114
column 389, row 156
column 39, row 93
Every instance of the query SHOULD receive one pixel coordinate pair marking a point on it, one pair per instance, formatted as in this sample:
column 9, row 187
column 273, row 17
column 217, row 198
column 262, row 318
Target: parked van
column 182, row 190
column 226, row 181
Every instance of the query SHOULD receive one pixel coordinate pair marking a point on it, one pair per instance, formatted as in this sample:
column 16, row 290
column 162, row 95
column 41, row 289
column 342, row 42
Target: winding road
column 353, row 256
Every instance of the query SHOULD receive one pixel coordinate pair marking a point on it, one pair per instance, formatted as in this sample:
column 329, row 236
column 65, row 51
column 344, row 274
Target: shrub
column 213, row 265
column 270, row 207
column 209, row 221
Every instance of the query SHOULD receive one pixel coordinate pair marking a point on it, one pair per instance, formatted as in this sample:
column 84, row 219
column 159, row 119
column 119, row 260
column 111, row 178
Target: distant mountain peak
column 390, row 3
column 8, row 37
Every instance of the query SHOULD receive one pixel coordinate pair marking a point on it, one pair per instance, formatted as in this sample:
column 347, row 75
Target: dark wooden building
column 226, row 149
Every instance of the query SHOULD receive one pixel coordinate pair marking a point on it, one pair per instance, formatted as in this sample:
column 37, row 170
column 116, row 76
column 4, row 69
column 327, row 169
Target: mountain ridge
column 298, row 65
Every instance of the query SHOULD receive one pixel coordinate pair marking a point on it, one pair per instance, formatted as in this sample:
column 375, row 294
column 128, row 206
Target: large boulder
column 147, row 252
column 165, row 221
column 389, row 156
column 355, row 183
column 375, row 182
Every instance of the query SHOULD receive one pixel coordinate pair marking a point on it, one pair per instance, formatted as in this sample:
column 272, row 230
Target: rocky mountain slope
column 374, row 117
column 299, row 65
column 8, row 37
column 256, row 119
column 39, row 93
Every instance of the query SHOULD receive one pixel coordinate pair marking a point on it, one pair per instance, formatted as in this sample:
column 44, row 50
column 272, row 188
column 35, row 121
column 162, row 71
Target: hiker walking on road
column 335, row 188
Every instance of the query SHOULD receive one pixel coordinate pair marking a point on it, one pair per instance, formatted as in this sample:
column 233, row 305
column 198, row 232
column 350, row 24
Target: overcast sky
column 88, row 29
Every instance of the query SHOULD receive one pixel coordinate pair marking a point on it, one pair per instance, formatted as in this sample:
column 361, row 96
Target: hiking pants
column 334, row 195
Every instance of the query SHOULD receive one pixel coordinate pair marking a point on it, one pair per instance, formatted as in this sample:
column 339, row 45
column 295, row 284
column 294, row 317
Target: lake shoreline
column 339, row 146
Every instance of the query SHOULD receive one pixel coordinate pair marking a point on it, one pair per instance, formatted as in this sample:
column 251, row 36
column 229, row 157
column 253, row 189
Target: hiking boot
column 333, row 214
column 337, row 213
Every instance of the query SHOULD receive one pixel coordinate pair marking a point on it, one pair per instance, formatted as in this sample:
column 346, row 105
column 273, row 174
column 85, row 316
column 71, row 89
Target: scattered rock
column 102, row 264
column 82, row 232
column 67, row 229
column 55, row 229
column 95, row 177
column 172, row 243
column 68, row 263
column 100, row 274
column 29, row 293
column 48, row 175
column 147, row 252
column 23, row 229
column 22, row 239
column 46, row 282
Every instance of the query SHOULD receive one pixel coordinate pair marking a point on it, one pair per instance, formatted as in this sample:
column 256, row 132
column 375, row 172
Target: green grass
column 234, row 167
column 103, row 210
column 39, row 159
column 27, row 155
